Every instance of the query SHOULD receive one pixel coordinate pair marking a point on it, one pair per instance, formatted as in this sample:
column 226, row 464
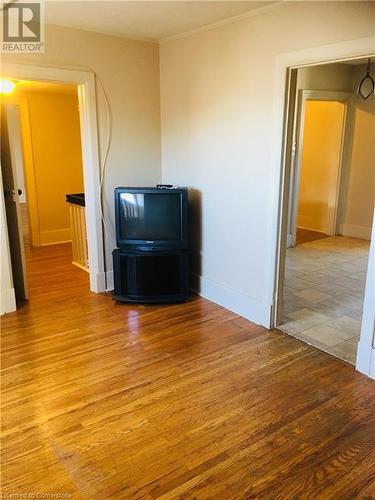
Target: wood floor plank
column 106, row 400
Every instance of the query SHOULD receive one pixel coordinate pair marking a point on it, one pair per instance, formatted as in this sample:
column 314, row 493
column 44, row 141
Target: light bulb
column 6, row 86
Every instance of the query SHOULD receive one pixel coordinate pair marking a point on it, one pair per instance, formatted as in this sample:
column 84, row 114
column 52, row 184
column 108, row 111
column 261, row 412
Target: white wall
column 129, row 71
column 217, row 97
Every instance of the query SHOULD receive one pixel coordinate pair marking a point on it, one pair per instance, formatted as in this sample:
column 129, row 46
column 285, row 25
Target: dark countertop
column 77, row 199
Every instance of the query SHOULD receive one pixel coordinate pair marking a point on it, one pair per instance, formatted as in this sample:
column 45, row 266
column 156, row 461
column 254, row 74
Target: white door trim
column 32, row 200
column 302, row 97
column 85, row 81
column 351, row 49
column 7, row 292
column 366, row 347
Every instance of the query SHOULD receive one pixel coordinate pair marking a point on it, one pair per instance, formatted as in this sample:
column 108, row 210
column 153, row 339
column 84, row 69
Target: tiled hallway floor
column 323, row 294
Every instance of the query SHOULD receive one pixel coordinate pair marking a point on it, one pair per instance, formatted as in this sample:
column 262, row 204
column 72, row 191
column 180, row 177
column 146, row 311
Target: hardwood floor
column 306, row 236
column 102, row 400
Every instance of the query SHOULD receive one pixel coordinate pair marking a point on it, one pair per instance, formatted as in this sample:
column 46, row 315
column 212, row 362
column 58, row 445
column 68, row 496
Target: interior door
column 16, row 147
column 13, row 214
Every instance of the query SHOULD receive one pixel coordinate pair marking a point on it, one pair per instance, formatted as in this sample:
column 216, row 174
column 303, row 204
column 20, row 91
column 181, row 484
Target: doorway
column 331, row 193
column 85, row 81
column 320, row 136
column 41, row 165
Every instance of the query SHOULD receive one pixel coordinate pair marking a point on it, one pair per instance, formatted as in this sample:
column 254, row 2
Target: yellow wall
column 357, row 190
column 320, row 164
column 360, row 183
column 56, row 148
column 360, row 197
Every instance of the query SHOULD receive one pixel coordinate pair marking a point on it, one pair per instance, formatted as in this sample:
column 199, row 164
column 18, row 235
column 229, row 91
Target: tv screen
column 150, row 216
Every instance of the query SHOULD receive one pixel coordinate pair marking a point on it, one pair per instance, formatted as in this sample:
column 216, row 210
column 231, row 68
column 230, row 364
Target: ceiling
column 356, row 62
column 29, row 86
column 151, row 20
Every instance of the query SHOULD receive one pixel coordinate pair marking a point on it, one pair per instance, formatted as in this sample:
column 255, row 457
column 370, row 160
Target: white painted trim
column 366, row 360
column 134, row 38
column 371, row 373
column 362, row 232
column 347, row 50
column 7, row 292
column 366, row 348
column 223, row 22
column 110, row 281
column 15, row 142
column 90, row 153
column 98, row 280
column 231, row 299
column 29, row 172
column 55, row 236
column 8, row 301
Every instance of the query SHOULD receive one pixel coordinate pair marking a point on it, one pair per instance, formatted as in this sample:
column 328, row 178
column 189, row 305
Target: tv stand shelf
column 151, row 276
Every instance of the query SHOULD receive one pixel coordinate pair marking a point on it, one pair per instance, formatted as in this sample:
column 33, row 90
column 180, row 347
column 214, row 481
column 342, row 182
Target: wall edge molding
column 110, row 281
column 354, row 231
column 234, row 300
column 223, row 22
column 366, row 360
column 55, row 236
column 8, row 301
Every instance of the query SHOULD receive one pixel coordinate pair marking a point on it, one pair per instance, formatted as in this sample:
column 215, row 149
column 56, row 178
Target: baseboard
column 233, row 300
column 8, row 301
column 362, row 232
column 238, row 302
column 110, row 282
column 55, row 243
column 54, row 237
column 310, row 223
column 366, row 360
column 97, row 282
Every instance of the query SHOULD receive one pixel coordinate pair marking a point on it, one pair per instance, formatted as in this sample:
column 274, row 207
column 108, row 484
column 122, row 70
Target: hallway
column 50, row 271
column 323, row 294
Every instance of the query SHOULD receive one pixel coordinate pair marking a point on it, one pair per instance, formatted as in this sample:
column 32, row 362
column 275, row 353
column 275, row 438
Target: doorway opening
column 330, row 194
column 41, row 164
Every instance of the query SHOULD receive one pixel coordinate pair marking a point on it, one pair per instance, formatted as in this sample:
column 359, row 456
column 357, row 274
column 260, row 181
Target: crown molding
column 224, row 22
column 154, row 41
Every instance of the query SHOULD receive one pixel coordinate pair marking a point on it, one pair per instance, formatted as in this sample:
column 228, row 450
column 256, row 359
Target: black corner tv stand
column 151, row 276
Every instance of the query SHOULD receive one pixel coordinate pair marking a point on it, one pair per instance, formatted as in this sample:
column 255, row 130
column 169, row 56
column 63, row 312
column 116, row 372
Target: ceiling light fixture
column 6, row 86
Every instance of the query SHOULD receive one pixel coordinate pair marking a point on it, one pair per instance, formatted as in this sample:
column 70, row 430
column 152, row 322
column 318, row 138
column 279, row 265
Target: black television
column 151, row 218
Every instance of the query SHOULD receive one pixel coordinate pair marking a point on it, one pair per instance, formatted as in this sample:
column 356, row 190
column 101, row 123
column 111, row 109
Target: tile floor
column 323, row 293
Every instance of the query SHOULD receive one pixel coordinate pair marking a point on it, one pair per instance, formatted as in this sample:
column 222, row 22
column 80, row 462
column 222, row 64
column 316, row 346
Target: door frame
column 366, row 348
column 299, row 127
column 12, row 208
column 28, row 163
column 85, row 81
column 285, row 64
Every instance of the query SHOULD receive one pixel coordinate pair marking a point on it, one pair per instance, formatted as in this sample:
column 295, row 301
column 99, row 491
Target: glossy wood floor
column 102, row 400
